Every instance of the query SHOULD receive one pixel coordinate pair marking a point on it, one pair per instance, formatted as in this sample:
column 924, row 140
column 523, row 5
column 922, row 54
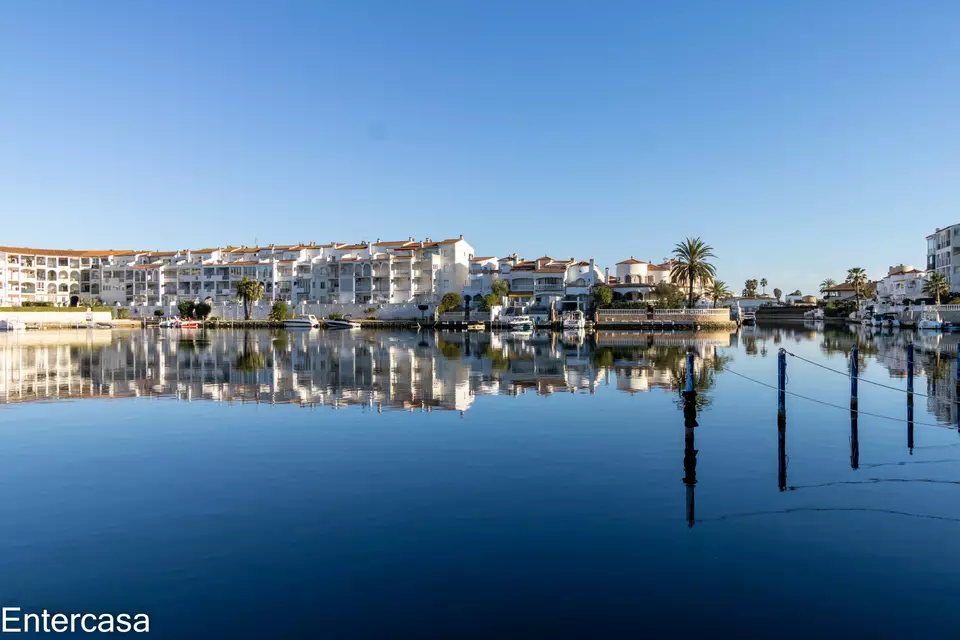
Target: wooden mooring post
column 854, row 430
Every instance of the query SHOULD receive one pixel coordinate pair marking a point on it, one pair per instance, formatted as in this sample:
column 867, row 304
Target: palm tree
column 248, row 292
column 718, row 291
column 691, row 266
column 857, row 276
column 777, row 293
column 763, row 284
column 827, row 283
column 936, row 285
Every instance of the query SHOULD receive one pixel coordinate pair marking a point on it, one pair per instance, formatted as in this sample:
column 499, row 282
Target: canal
column 399, row 484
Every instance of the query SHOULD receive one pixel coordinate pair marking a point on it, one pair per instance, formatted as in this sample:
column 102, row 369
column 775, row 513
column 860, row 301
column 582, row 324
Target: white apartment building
column 942, row 247
column 379, row 273
column 902, row 283
column 548, row 283
column 635, row 280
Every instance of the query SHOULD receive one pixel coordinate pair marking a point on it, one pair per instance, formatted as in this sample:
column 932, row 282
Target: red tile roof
column 631, row 261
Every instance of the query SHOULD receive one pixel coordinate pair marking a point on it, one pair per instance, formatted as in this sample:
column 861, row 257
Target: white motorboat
column 814, row 314
column 930, row 321
column 749, row 317
column 521, row 323
column 876, row 320
column 12, row 325
column 306, row 321
column 574, row 321
column 889, row 320
column 345, row 323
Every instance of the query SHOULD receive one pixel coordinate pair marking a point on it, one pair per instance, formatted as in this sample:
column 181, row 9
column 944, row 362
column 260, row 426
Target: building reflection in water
column 386, row 370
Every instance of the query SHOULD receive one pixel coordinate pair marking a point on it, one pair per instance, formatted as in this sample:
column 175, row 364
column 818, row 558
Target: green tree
column 692, row 266
column 248, row 292
column 797, row 292
column 668, row 296
column 279, row 311
column 763, row 285
column 201, row 310
column 777, row 293
column 449, row 302
column 718, row 291
column 489, row 301
column 186, row 307
column 937, row 286
column 500, row 288
column 602, row 295
column 750, row 288
column 857, row 276
column 827, row 283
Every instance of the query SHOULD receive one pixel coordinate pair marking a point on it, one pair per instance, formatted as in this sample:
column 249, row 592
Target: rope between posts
column 829, row 404
column 859, row 379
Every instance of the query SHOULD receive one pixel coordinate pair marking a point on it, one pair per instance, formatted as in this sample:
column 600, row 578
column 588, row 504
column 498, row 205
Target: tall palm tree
column 718, row 291
column 827, row 283
column 691, row 266
column 936, row 285
column 857, row 276
column 248, row 292
column 763, row 285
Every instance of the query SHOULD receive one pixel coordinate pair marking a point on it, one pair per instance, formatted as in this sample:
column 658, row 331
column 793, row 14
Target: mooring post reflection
column 689, row 450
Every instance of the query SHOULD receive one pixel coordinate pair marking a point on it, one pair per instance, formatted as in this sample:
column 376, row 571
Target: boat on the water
column 12, row 325
column 574, row 321
column 930, row 321
column 749, row 317
column 521, row 323
column 890, row 320
column 305, row 321
column 344, row 323
column 188, row 324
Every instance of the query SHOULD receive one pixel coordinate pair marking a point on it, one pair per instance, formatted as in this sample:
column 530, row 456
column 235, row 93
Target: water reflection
column 387, row 370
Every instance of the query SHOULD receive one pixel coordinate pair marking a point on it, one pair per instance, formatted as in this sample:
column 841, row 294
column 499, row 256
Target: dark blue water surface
column 374, row 484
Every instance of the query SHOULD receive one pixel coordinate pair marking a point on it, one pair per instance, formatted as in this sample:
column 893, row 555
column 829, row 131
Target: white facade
column 389, row 272
column 942, row 247
column 901, row 283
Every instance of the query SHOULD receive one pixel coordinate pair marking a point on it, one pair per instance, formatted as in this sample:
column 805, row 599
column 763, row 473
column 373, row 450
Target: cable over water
column 878, row 384
column 830, row 404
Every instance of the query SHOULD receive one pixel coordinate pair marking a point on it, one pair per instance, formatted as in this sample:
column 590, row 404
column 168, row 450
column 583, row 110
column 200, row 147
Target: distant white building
column 942, row 247
column 378, row 273
column 902, row 283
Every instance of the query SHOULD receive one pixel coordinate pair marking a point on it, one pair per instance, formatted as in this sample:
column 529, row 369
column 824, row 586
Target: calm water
column 376, row 484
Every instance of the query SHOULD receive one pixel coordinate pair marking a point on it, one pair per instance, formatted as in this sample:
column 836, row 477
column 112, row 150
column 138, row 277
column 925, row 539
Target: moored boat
column 521, row 323
column 344, row 323
column 12, row 325
column 749, row 317
column 573, row 321
column 305, row 321
column 930, row 321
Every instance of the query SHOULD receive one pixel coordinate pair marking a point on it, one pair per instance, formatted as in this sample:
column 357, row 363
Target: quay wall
column 55, row 317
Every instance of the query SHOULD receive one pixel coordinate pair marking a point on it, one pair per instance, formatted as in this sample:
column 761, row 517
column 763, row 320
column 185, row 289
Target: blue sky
column 799, row 138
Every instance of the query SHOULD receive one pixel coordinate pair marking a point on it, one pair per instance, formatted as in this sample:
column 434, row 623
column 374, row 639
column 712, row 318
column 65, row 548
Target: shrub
column 335, row 316
column 213, row 320
column 602, row 295
column 279, row 311
column 370, row 310
column 371, row 317
column 158, row 313
column 123, row 314
column 185, row 307
column 201, row 310
column 449, row 302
